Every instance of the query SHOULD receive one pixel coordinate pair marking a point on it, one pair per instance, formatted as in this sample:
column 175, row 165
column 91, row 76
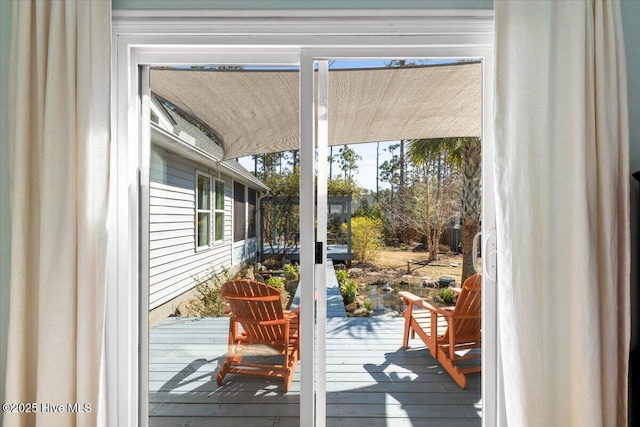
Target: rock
column 360, row 312
column 428, row 282
column 189, row 308
column 352, row 307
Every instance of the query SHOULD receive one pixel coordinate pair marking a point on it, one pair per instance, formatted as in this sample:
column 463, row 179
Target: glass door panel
column 222, row 203
column 208, row 215
column 393, row 143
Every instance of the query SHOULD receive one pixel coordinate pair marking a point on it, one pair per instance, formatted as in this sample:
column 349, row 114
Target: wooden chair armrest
column 410, row 298
column 456, row 290
column 295, row 311
column 293, row 315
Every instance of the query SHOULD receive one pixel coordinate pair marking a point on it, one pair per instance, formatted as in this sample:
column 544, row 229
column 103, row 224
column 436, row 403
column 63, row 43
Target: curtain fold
column 59, row 144
column 562, row 202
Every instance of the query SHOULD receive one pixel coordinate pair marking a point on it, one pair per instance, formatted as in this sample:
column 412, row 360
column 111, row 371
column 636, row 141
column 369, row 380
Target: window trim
column 251, row 225
column 244, row 207
column 217, row 211
column 199, row 211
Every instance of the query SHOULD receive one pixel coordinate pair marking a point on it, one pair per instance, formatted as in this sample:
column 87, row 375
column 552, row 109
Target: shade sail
column 256, row 111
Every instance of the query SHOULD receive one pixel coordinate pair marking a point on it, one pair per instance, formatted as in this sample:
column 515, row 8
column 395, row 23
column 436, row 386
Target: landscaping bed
column 378, row 283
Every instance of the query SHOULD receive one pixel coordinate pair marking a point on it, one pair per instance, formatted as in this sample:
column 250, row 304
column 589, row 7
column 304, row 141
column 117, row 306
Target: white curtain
column 59, row 139
column 563, row 212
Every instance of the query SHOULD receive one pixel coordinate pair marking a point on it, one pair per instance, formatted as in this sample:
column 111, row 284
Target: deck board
column 371, row 380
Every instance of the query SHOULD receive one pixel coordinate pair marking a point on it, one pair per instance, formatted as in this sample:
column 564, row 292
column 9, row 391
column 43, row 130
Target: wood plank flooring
column 371, row 380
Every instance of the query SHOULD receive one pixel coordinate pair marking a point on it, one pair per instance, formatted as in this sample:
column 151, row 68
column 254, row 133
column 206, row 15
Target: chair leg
column 405, row 337
column 288, row 379
column 222, row 371
column 407, row 328
column 452, row 369
column 291, row 365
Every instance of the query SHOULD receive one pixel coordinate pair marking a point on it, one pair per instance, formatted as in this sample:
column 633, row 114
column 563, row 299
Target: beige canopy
column 256, row 111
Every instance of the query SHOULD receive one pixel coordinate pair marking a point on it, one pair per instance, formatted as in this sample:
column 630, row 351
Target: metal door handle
column 474, row 251
column 490, row 252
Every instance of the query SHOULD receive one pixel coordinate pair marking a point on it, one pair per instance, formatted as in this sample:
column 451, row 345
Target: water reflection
column 385, row 300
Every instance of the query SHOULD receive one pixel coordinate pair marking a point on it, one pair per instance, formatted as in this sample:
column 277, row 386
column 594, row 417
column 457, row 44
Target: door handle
column 474, row 251
column 490, row 251
column 319, row 253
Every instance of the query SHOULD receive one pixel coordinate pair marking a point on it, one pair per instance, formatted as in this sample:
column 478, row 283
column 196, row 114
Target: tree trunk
column 471, row 199
column 469, row 230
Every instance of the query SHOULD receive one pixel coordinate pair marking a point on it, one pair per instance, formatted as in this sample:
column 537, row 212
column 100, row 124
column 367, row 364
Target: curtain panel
column 59, row 145
column 563, row 212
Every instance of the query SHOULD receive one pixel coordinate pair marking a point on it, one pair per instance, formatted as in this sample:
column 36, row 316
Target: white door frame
column 265, row 37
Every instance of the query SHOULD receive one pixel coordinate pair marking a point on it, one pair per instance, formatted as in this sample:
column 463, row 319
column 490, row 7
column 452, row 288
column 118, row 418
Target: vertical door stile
column 307, row 242
column 143, row 287
column 491, row 381
column 321, row 269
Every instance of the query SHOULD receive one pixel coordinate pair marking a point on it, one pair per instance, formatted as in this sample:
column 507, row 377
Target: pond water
column 384, row 297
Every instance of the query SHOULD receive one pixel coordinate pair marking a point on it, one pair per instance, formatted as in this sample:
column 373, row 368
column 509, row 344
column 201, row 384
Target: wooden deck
column 371, row 380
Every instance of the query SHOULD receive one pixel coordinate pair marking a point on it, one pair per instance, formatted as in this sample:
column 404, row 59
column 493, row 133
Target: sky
column 365, row 177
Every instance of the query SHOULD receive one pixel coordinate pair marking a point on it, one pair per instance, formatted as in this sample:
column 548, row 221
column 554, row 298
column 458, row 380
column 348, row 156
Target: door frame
column 285, row 37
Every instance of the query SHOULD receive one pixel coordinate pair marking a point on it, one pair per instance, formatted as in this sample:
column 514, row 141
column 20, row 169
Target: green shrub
column 342, row 276
column 447, row 296
column 349, row 290
column 279, row 283
column 276, row 282
column 366, row 237
column 207, row 290
column 349, row 287
column 290, row 272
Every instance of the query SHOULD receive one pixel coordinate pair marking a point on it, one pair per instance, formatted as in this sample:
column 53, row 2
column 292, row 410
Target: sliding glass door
column 187, row 188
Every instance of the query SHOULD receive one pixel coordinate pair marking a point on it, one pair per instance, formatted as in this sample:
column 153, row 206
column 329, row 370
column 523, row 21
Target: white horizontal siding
column 164, row 219
column 174, row 261
column 184, row 262
column 166, row 226
column 170, row 234
column 169, row 193
column 166, row 243
column 155, row 254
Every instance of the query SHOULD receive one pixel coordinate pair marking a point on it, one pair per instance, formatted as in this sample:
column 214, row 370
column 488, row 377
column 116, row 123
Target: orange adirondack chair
column 267, row 329
column 447, row 330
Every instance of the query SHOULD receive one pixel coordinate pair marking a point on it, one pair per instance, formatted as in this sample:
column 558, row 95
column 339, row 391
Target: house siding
column 174, row 261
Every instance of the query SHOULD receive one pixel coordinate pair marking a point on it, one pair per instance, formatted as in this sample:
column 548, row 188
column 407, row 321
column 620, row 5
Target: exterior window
column 251, row 202
column 203, row 210
column 239, row 212
column 219, row 211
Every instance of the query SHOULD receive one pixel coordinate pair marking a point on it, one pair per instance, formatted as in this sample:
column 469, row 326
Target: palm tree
column 465, row 155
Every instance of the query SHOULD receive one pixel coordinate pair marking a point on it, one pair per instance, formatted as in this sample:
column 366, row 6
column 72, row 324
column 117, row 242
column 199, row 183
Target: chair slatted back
column 257, row 307
column 467, row 312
